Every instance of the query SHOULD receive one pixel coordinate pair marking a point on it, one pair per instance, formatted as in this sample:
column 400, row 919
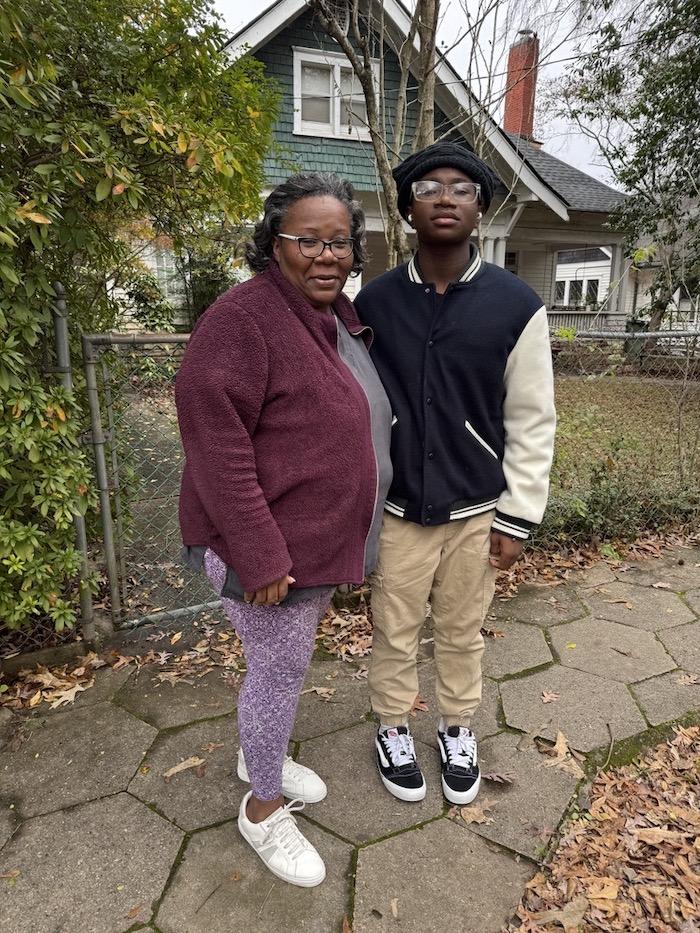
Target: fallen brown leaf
column 688, row 680
column 134, row 912
column 569, row 916
column 10, row 875
column 419, row 705
column 561, row 757
column 549, row 697
column 602, row 888
column 326, row 693
column 661, row 586
column 476, row 813
column 395, row 908
column 499, row 777
column 192, row 762
column 175, row 638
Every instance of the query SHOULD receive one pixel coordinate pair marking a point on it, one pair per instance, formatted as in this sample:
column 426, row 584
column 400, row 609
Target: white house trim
column 334, row 128
column 451, row 93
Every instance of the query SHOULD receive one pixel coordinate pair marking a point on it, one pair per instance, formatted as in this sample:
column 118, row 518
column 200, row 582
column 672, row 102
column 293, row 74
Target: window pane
column 353, row 110
column 591, row 291
column 559, row 291
column 315, row 93
column 576, row 292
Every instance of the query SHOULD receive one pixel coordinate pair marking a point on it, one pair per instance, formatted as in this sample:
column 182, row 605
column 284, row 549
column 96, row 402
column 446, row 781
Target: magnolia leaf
column 37, row 218
column 104, row 186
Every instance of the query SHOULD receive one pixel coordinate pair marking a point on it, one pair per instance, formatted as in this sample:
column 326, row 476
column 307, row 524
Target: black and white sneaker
column 398, row 768
column 460, row 771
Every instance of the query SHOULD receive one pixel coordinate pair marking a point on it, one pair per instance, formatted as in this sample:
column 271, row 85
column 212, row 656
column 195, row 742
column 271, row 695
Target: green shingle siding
column 350, row 158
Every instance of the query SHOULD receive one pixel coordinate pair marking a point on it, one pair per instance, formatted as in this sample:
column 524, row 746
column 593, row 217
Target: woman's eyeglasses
column 464, row 192
column 312, row 247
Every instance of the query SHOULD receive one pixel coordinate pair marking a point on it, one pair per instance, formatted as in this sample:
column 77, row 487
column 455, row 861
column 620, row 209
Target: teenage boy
column 462, row 347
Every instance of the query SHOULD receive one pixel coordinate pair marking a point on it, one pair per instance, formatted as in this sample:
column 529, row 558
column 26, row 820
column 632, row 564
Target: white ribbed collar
column 472, row 267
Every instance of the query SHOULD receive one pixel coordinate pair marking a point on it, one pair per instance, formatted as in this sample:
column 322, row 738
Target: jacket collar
column 473, row 266
column 342, row 305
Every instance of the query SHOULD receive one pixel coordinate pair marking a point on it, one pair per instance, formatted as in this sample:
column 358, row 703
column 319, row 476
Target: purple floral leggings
column 278, row 642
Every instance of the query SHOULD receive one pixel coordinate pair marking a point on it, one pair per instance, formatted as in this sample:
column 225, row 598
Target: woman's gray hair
column 278, row 202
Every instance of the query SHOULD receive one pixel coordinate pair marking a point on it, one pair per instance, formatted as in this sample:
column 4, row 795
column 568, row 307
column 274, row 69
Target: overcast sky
column 558, row 139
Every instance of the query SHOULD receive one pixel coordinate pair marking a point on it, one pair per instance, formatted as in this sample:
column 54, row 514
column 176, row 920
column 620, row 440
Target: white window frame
column 334, row 129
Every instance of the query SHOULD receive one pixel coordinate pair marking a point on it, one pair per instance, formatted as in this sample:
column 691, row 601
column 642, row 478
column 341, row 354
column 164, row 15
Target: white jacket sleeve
column 529, row 419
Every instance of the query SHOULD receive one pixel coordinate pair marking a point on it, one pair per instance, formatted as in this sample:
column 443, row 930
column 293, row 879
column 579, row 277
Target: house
column 542, row 206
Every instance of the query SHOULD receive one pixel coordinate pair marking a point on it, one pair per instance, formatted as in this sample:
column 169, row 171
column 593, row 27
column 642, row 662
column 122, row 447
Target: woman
column 286, row 428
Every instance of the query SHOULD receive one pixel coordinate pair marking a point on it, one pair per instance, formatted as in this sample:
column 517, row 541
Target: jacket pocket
column 480, row 439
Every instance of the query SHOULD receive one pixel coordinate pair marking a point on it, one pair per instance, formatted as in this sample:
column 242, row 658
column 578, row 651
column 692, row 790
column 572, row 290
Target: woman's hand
column 504, row 551
column 272, row 594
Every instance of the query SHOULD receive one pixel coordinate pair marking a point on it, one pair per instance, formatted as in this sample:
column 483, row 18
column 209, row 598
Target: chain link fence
column 138, row 462
column 627, row 458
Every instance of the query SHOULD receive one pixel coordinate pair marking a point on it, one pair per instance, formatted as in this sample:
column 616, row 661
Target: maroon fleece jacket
column 280, row 474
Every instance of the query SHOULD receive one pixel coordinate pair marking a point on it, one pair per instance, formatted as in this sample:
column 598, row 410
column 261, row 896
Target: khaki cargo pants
column 448, row 564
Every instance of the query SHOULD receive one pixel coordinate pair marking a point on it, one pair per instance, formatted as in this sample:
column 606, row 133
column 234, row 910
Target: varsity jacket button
column 428, row 508
column 428, row 521
column 430, row 455
column 428, row 401
column 431, row 343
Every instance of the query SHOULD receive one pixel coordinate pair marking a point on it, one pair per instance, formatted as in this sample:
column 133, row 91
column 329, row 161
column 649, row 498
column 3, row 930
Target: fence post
column 98, row 443
column 65, row 374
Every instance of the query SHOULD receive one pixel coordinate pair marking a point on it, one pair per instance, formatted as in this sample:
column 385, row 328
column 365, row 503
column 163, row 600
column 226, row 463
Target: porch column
column 499, row 251
column 488, row 249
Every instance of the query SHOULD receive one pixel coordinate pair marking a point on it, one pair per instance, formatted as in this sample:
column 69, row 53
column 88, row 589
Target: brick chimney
column 519, row 114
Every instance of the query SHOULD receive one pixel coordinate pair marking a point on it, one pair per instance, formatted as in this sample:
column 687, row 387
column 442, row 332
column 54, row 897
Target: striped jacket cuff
column 512, row 526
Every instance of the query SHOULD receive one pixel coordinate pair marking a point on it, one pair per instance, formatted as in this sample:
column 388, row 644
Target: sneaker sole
column 408, row 794
column 287, row 792
column 298, row 882
column 464, row 797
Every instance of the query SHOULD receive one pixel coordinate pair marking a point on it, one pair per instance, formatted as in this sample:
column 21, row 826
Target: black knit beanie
column 436, row 156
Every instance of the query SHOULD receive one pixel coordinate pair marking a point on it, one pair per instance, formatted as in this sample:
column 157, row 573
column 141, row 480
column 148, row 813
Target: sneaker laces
column 283, row 830
column 461, row 748
column 294, row 769
column 400, row 747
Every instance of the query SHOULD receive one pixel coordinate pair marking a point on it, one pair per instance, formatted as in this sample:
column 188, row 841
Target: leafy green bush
column 111, row 115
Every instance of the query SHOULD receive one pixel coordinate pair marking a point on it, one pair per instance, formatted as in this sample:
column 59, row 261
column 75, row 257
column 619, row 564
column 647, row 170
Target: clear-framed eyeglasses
column 463, row 192
column 312, row 247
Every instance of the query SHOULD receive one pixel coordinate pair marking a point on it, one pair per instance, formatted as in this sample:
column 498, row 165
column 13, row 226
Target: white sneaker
column 281, row 846
column 298, row 781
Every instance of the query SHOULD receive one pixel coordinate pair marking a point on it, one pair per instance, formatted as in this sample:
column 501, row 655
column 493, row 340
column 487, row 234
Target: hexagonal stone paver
column 595, row 575
column 693, row 600
column 221, row 886
column 526, row 812
column 638, row 606
column 515, row 647
column 667, row 697
column 610, row 650
column 108, row 683
column 424, row 724
column 683, row 644
column 167, row 705
column 96, row 868
column 8, row 823
column 585, row 707
column 346, row 761
column 75, row 756
column 441, row 877
column 348, row 704
column 195, row 797
column 680, row 577
column 541, row 605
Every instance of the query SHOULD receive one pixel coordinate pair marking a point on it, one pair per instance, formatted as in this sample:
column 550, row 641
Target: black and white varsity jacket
column 469, row 377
